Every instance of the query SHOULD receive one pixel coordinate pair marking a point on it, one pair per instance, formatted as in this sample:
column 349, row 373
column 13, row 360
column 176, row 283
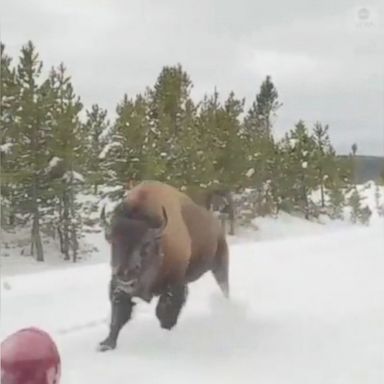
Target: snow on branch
column 53, row 163
column 73, row 176
column 6, row 148
column 107, row 148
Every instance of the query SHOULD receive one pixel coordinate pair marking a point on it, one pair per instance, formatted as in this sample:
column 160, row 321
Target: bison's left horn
column 159, row 230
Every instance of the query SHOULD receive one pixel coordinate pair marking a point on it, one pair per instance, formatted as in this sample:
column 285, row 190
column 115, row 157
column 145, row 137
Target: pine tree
column 261, row 149
column 34, row 137
column 189, row 170
column 171, row 91
column 259, row 119
column 230, row 161
column 95, row 127
column 220, row 142
column 300, row 149
column 170, row 117
column 9, row 138
column 359, row 214
column 126, row 153
column 69, row 147
column 208, row 130
column 336, row 202
column 325, row 159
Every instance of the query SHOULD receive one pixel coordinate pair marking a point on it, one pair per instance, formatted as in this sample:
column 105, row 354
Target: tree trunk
column 322, row 195
column 321, row 178
column 61, row 239
column 259, row 199
column 74, row 242
column 36, row 239
column 304, row 198
column 66, row 225
column 306, row 204
column 59, row 229
column 231, row 214
column 12, row 217
column 35, row 235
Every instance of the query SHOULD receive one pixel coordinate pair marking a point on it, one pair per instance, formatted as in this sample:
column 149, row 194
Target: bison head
column 136, row 253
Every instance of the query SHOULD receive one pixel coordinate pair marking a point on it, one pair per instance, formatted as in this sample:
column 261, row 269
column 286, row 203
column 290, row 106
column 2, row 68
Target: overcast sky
column 326, row 58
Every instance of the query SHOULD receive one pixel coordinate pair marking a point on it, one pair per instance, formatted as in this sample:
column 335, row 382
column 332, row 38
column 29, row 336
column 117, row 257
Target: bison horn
column 157, row 232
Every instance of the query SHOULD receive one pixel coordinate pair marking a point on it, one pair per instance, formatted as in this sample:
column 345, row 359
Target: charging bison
column 160, row 241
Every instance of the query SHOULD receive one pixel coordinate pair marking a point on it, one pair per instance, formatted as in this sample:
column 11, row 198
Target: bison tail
column 220, row 269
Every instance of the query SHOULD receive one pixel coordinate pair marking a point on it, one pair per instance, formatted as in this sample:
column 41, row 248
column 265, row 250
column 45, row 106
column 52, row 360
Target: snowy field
column 307, row 306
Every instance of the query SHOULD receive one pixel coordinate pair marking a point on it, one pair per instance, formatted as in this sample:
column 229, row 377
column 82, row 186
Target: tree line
column 53, row 148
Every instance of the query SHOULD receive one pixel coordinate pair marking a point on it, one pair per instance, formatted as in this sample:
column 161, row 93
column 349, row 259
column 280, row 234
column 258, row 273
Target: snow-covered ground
column 307, row 306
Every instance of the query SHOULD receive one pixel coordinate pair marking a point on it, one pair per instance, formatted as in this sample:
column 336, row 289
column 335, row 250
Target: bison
column 160, row 241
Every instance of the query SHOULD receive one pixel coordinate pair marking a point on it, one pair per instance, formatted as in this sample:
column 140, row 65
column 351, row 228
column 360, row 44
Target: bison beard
column 191, row 243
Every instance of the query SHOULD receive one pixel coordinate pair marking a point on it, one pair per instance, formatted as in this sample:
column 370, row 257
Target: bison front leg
column 121, row 311
column 170, row 304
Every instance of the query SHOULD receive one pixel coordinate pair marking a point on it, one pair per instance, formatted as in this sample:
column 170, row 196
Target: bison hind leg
column 170, row 304
column 220, row 269
column 221, row 277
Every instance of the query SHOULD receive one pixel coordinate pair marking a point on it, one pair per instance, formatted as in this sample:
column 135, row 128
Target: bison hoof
column 167, row 324
column 106, row 345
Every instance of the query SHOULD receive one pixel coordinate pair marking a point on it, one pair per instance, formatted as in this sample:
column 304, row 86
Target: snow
column 250, row 172
column 103, row 154
column 307, row 306
column 78, row 177
column 54, row 162
column 302, row 310
column 73, row 176
column 6, row 148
